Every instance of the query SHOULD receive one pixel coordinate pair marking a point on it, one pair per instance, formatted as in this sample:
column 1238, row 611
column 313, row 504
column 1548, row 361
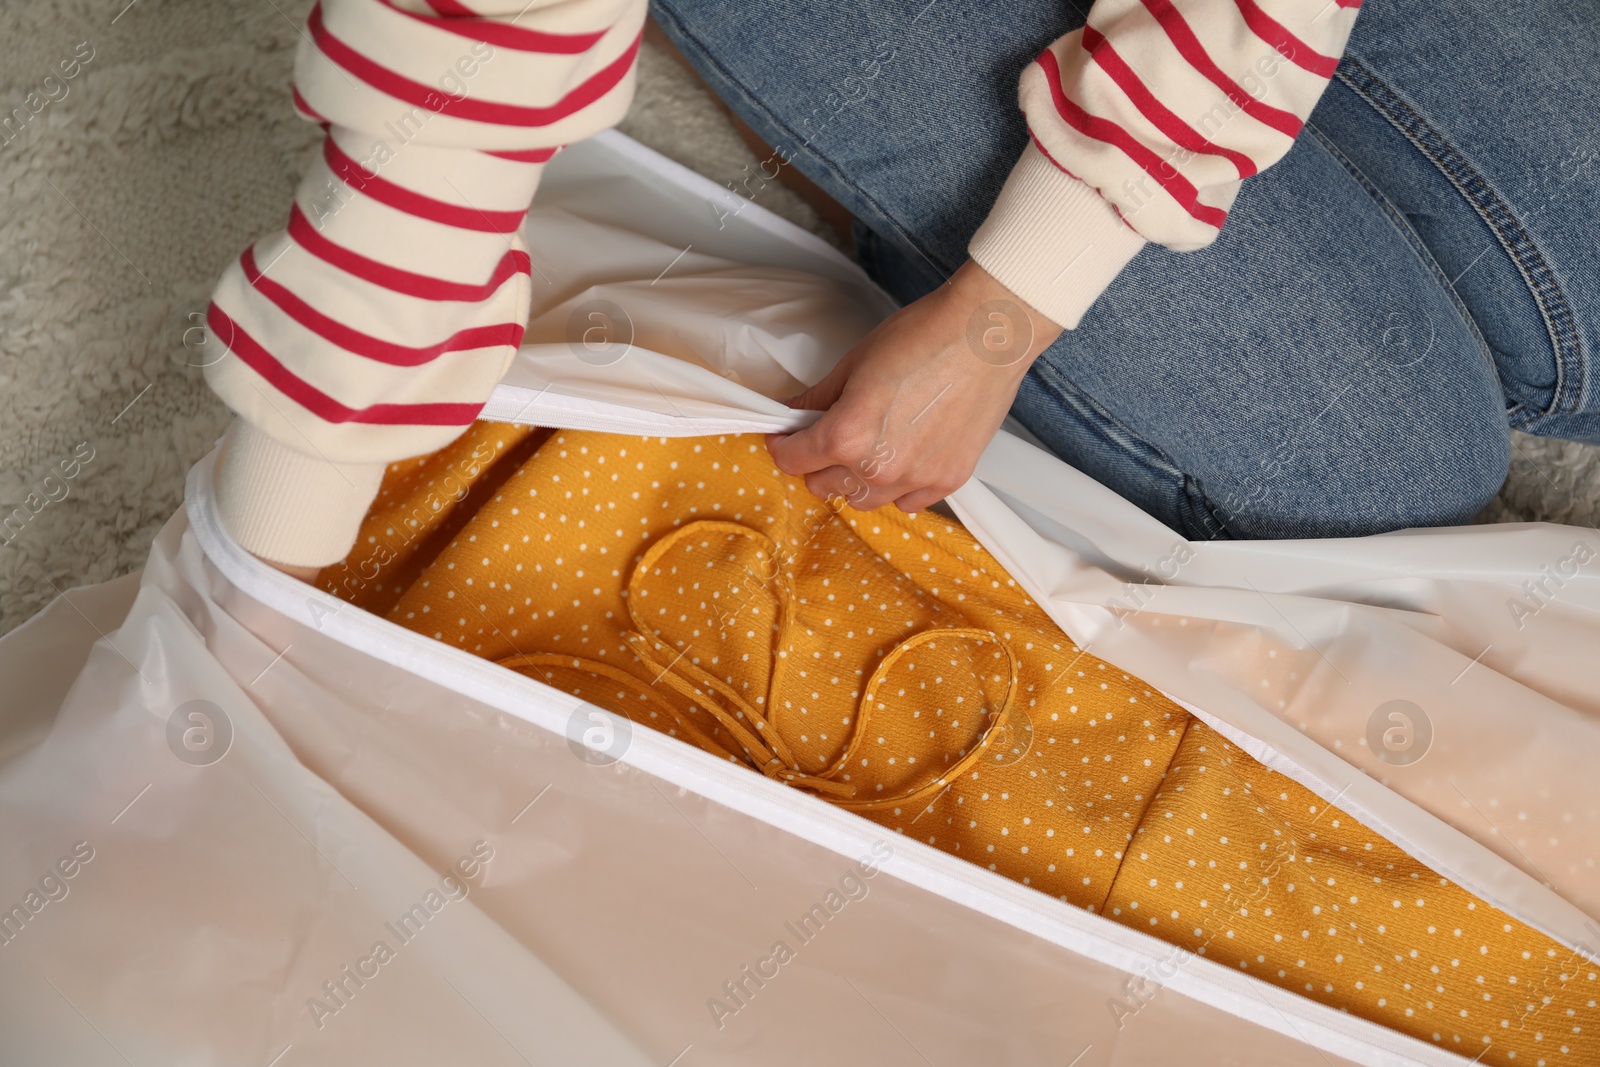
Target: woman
column 1414, row 271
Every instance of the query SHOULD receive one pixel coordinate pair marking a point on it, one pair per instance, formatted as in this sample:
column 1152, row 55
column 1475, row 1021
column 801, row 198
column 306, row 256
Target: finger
column 919, row 499
column 883, row 497
column 821, row 397
column 833, row 482
column 804, row 451
column 863, row 495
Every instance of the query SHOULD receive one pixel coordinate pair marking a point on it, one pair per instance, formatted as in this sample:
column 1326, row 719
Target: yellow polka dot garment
column 887, row 664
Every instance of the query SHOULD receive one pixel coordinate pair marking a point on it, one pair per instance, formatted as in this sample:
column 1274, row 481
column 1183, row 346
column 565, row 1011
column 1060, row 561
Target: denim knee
column 1368, row 464
column 1438, row 470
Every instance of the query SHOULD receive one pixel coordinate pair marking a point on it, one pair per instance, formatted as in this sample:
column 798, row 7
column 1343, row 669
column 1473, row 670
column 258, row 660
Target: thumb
column 824, row 394
column 801, row 452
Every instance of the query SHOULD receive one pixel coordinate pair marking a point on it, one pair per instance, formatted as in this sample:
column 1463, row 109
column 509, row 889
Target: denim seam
column 664, row 12
column 869, row 255
column 1189, row 485
column 1543, row 284
column 1195, row 491
column 1423, row 253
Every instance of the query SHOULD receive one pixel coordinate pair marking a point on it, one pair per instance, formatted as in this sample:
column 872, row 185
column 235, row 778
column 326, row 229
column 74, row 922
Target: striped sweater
column 375, row 324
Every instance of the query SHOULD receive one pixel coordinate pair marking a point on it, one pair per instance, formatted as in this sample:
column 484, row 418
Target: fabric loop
column 766, row 747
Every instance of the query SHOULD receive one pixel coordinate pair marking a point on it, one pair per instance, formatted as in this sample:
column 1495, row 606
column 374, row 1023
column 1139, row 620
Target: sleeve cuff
column 288, row 507
column 1052, row 240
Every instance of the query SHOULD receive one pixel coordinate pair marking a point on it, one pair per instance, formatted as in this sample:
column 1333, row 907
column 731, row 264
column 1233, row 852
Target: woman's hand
column 910, row 408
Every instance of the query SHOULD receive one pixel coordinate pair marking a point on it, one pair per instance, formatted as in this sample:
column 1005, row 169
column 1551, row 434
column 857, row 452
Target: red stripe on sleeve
column 1105, row 130
column 467, row 24
column 400, row 198
column 412, row 92
column 1184, row 136
column 365, row 345
column 1188, row 45
column 1291, row 47
column 422, row 286
column 320, row 404
column 304, row 108
column 531, row 155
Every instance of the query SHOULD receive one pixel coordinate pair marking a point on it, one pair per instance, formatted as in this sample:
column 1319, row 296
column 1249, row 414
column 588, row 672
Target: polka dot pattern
column 888, row 664
column 1254, row 871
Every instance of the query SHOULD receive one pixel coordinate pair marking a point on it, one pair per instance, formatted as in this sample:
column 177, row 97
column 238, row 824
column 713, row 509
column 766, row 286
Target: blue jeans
column 1418, row 274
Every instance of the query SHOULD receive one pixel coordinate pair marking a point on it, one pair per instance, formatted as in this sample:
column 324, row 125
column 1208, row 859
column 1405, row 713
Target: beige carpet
column 170, row 147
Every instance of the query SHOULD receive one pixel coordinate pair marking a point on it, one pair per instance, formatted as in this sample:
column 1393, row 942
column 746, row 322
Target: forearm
column 376, row 323
column 1143, row 124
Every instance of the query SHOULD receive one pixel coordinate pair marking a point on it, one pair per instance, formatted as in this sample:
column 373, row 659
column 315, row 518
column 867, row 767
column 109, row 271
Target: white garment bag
column 299, row 834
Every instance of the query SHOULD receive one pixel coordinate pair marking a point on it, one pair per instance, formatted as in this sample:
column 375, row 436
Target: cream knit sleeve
column 1142, row 126
column 375, row 324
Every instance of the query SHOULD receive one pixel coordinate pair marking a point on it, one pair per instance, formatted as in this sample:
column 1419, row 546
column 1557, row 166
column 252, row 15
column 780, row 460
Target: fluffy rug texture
column 130, row 184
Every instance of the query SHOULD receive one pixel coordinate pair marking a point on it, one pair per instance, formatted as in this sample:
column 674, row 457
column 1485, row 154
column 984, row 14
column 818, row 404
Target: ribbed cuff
column 288, row 507
column 1053, row 240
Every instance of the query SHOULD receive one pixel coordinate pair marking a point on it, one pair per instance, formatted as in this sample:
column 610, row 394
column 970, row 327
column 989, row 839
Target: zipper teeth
column 606, row 422
column 548, row 407
column 812, row 820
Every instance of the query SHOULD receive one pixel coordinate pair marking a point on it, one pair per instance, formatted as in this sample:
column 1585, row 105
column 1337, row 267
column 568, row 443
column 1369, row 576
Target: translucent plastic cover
column 246, row 823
